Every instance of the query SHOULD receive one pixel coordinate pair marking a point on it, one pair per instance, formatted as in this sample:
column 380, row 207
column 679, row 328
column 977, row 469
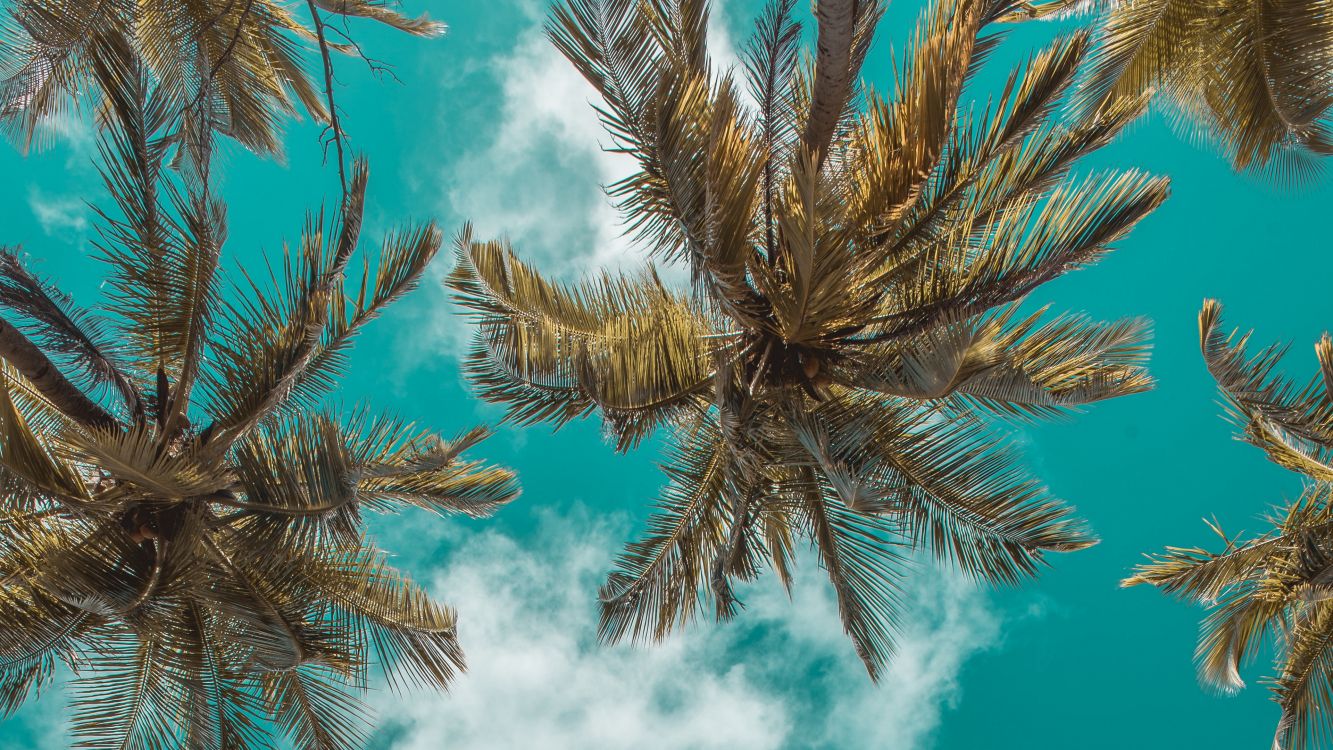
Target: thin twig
column 335, row 128
column 376, row 66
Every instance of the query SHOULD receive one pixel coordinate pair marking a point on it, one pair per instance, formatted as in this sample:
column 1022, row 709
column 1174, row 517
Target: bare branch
column 335, row 127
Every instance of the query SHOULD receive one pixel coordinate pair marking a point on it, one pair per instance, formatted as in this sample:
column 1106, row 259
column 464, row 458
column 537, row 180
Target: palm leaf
column 626, row 345
column 858, row 554
column 656, row 586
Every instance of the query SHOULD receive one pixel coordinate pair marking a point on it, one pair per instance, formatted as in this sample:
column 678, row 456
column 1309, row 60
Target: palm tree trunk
column 833, row 74
column 17, row 350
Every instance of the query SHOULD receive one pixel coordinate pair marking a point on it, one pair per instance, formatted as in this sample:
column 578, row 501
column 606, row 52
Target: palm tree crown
column 1255, row 76
column 1276, row 588
column 230, row 66
column 182, row 521
column 856, row 261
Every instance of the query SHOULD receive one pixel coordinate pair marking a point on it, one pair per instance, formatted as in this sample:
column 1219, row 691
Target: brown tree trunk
column 18, row 351
column 833, row 74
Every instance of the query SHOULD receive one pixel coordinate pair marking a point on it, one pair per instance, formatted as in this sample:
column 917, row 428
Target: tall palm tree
column 230, row 66
column 857, row 260
column 1254, row 75
column 181, row 519
column 1276, row 588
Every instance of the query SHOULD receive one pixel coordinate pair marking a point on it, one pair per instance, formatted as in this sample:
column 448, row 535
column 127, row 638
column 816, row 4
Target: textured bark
column 24, row 355
column 833, row 74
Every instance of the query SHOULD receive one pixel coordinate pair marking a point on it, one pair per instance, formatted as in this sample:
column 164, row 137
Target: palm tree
column 230, row 66
column 853, row 317
column 1276, row 588
column 1255, row 76
column 181, row 518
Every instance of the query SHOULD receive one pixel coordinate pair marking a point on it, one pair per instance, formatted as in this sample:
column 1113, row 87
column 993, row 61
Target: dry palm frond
column 1276, row 589
column 234, row 67
column 1272, row 590
column 182, row 519
column 1255, row 76
column 856, row 258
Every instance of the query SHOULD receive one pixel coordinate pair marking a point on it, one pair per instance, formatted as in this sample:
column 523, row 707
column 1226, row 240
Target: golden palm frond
column 631, row 348
column 659, row 578
column 234, row 67
column 856, row 260
column 1293, row 424
column 1273, row 590
column 182, row 517
column 1257, row 77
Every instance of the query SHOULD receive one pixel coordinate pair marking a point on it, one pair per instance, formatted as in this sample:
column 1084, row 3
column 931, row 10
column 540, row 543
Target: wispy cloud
column 71, row 131
column 539, row 179
column 58, row 215
column 782, row 675
column 62, row 214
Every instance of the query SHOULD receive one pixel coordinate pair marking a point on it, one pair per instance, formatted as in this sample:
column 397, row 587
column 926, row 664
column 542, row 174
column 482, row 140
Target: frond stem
column 29, row 360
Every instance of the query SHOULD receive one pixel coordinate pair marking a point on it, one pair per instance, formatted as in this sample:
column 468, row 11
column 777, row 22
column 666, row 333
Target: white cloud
column 538, row 180
column 70, row 128
column 781, row 675
column 59, row 215
column 538, row 177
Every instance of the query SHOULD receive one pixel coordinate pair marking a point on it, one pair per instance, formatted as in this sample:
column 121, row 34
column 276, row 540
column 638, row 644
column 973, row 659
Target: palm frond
column 1064, row 363
column 649, row 63
column 1024, row 250
column 45, row 55
column 232, row 68
column 273, row 338
column 225, row 710
column 658, row 581
column 135, row 460
column 858, row 553
column 130, row 699
column 857, row 261
column 299, row 484
column 952, row 487
column 25, row 456
column 1271, row 590
column 419, row 26
column 314, row 710
column 83, row 340
column 628, row 346
column 898, row 141
column 163, row 250
column 1258, row 395
column 1268, row 81
column 1304, row 688
column 988, row 180
column 1253, row 76
column 400, row 465
column 402, row 261
column 414, row 638
column 771, row 57
column 36, row 633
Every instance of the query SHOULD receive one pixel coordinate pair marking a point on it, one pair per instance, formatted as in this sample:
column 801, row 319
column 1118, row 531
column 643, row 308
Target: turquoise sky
column 490, row 125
